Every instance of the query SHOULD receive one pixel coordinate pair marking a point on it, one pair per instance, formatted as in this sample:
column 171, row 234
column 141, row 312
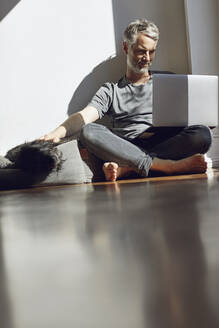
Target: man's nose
column 147, row 56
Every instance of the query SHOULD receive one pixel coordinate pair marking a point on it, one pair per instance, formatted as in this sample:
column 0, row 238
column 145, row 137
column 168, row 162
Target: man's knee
column 90, row 133
column 201, row 137
column 86, row 131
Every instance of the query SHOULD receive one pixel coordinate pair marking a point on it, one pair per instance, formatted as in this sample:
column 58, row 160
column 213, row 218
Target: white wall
column 53, row 56
column 203, row 42
column 47, row 47
column 170, row 18
column 202, row 17
column 6, row 6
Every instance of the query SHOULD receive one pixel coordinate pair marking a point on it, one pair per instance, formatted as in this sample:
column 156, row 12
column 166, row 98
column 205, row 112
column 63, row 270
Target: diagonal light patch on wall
column 49, row 50
column 6, row 6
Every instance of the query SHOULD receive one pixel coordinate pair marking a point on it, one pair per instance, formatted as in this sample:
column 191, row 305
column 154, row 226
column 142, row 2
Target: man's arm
column 73, row 124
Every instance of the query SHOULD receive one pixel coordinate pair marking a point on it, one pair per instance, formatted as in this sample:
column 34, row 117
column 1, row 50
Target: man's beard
column 134, row 66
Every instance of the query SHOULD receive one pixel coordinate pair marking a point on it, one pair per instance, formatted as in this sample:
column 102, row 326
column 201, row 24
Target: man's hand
column 49, row 137
column 55, row 135
column 73, row 124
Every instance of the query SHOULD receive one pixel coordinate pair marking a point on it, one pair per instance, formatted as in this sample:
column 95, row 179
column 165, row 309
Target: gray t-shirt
column 129, row 106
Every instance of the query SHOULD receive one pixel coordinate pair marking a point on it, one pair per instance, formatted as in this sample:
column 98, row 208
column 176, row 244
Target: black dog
column 36, row 157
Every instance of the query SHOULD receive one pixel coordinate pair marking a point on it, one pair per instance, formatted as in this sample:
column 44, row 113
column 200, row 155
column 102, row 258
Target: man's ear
column 125, row 47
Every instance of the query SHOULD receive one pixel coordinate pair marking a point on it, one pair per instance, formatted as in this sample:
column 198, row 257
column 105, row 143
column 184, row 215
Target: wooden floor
column 132, row 254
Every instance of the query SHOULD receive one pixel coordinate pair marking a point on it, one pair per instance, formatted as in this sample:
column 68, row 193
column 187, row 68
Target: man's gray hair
column 140, row 26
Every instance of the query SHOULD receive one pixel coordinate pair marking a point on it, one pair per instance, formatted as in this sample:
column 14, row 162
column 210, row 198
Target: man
column 132, row 144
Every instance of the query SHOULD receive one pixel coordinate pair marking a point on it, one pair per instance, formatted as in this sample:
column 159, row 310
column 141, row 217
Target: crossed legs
column 169, row 150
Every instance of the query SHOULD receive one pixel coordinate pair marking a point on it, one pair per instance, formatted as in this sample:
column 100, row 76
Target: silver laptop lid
column 182, row 100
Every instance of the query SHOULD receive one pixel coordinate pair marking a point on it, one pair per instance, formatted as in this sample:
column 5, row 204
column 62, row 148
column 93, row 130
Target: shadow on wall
column 109, row 70
column 124, row 11
column 6, row 6
column 113, row 68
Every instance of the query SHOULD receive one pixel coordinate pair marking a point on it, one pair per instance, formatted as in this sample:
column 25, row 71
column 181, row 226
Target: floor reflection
column 6, row 313
column 129, row 255
column 161, row 237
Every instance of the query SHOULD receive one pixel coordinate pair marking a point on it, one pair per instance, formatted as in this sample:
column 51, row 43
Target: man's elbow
column 89, row 114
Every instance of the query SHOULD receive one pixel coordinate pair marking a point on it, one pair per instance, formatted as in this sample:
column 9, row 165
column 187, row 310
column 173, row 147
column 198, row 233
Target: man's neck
column 137, row 78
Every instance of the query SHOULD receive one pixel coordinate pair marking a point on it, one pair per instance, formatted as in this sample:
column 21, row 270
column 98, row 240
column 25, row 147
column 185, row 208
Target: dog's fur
column 36, row 157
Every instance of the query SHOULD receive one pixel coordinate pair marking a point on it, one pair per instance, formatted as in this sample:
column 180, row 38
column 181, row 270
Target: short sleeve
column 102, row 100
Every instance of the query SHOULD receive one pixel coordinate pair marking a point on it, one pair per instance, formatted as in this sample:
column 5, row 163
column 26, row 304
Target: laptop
column 183, row 100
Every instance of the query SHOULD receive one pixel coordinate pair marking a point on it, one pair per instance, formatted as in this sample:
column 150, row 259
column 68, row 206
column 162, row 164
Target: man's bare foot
column 113, row 171
column 192, row 164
